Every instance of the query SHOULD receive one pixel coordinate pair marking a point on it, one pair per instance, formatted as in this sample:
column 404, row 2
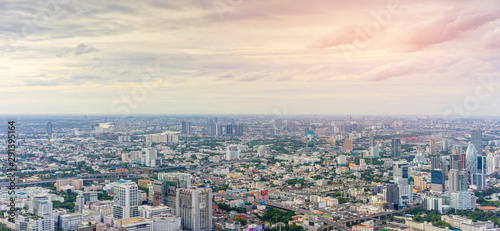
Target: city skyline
column 247, row 57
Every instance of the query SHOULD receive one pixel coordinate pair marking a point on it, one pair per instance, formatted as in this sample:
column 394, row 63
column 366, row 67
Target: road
column 118, row 175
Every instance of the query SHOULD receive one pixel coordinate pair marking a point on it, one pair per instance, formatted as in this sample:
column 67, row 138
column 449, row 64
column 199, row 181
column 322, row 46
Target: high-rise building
column 457, row 180
column 396, row 148
column 491, row 163
column 433, row 147
column 436, row 163
column 219, row 130
column 433, row 203
column 461, row 200
column 391, row 195
column 229, row 130
column 370, row 140
column 262, row 150
column 184, row 178
column 49, row 128
column 232, row 153
column 125, row 200
column 471, row 159
column 186, row 127
column 401, row 170
column 194, row 207
column 148, row 155
column 165, row 189
column 310, row 142
column 479, row 177
column 374, row 152
column 80, row 203
column 476, row 138
column 446, row 145
column 238, row 130
column 455, row 162
column 42, row 207
column 348, row 145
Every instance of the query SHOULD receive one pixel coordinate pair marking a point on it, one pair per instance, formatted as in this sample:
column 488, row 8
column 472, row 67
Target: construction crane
column 128, row 220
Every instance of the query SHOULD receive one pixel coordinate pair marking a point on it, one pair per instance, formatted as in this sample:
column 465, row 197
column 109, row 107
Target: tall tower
column 476, row 138
column 433, row 147
column 194, row 207
column 478, row 179
column 49, row 128
column 457, row 180
column 80, row 203
column 471, row 159
column 396, row 147
column 370, row 140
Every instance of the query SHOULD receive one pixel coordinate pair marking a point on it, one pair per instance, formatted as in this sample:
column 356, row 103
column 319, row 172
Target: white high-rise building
column 194, row 207
column 461, row 200
column 148, row 155
column 232, row 153
column 166, row 222
column 125, row 200
column 80, row 203
column 262, row 150
column 433, row 203
column 42, row 207
column 491, row 163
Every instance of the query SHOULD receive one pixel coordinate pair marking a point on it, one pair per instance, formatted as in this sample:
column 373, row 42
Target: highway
column 118, row 175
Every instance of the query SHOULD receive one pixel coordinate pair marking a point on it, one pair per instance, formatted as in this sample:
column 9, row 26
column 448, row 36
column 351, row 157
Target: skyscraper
column 125, row 200
column 476, row 138
column 471, row 160
column 194, row 207
column 479, row 176
column 457, row 180
column 186, row 127
column 433, row 147
column 391, row 195
column 455, row 162
column 436, row 163
column 370, row 140
column 396, row 148
column 49, row 128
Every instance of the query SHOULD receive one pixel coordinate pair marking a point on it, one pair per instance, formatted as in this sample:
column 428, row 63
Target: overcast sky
column 250, row 56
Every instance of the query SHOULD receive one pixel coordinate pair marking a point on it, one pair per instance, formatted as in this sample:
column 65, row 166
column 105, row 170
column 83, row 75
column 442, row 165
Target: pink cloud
column 393, row 70
column 443, row 28
column 491, row 40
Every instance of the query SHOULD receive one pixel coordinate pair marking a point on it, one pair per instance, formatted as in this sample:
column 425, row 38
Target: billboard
column 310, row 139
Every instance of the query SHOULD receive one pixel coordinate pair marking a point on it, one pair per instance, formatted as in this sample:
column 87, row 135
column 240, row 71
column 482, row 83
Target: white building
column 125, row 199
column 148, row 155
column 461, row 200
column 433, row 203
column 342, row 159
column 262, row 150
column 166, row 222
column 232, row 153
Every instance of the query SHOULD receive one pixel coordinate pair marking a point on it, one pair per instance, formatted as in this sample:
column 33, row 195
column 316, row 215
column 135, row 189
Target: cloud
column 394, row 70
column 444, row 27
column 79, row 50
column 491, row 40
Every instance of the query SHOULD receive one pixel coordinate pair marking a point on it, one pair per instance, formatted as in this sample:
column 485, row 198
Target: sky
column 395, row 57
